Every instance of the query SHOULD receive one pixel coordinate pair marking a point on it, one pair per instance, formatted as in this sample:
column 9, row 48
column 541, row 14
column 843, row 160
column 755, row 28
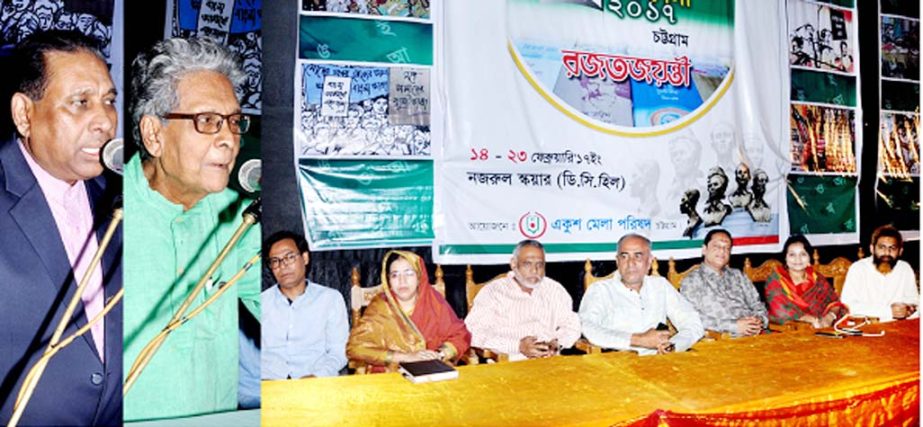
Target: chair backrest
column 589, row 278
column 675, row 277
column 472, row 288
column 439, row 285
column 760, row 274
column 835, row 270
column 361, row 297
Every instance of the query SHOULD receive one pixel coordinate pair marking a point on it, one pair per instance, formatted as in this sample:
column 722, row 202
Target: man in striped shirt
column 524, row 314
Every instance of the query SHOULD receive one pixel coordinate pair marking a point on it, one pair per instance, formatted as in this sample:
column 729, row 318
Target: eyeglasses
column 286, row 260
column 210, row 123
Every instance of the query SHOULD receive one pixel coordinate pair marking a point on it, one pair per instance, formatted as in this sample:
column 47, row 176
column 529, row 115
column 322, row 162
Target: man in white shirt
column 524, row 314
column 624, row 312
column 881, row 285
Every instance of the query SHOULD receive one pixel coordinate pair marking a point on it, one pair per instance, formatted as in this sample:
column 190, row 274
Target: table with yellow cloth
column 778, row 379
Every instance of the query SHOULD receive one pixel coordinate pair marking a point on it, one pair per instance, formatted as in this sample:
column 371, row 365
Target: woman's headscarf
column 433, row 320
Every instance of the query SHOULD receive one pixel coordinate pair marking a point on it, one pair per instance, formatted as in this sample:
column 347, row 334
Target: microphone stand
column 250, row 216
column 56, row 344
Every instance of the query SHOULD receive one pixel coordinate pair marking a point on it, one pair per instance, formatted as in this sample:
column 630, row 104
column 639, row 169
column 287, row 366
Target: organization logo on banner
column 533, row 225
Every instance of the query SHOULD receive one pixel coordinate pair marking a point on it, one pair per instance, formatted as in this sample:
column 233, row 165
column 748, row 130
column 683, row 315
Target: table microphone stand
column 250, row 216
column 56, row 344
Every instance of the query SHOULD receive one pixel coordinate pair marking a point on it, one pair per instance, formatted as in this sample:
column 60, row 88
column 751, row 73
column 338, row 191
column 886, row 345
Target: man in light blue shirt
column 624, row 312
column 304, row 324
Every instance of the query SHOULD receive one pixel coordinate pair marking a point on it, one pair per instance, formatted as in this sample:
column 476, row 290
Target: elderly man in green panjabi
column 179, row 215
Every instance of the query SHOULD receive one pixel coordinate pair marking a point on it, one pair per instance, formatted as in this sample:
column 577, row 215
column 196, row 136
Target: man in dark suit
column 54, row 209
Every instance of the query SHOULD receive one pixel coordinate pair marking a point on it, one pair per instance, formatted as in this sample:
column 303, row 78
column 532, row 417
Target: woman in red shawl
column 408, row 321
column 798, row 293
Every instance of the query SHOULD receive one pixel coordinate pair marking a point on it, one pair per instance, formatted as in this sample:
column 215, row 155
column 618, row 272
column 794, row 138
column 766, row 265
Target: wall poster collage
column 897, row 187
column 824, row 120
column 363, row 134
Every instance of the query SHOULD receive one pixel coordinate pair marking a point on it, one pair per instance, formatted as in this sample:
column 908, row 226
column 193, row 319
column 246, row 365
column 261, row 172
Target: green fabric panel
column 822, row 204
column 900, row 96
column 826, row 88
column 365, row 40
column 366, row 203
column 898, row 201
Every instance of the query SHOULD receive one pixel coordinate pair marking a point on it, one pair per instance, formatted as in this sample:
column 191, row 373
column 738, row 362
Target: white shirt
column 867, row 292
column 503, row 314
column 611, row 312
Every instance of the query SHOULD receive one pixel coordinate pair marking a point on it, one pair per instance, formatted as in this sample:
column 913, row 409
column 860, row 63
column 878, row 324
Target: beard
column 884, row 264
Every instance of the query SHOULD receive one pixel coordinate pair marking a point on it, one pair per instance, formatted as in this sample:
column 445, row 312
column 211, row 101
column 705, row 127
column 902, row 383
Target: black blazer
column 36, row 283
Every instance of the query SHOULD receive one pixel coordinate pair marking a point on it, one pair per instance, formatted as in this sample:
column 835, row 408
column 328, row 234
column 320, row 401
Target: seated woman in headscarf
column 796, row 292
column 408, row 321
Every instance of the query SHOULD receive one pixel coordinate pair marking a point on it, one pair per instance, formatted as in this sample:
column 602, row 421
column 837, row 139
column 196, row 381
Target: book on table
column 427, row 371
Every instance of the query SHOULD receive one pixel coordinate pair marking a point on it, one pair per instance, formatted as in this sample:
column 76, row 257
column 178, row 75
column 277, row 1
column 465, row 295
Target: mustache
column 885, row 259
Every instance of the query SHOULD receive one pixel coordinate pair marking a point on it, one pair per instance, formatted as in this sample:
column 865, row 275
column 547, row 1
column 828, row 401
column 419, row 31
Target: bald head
column 633, row 259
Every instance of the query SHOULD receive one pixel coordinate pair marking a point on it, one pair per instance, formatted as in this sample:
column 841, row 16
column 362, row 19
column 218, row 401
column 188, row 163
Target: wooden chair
column 675, row 277
column 361, row 297
column 761, row 273
column 589, row 278
column 835, row 270
column 439, row 284
column 471, row 290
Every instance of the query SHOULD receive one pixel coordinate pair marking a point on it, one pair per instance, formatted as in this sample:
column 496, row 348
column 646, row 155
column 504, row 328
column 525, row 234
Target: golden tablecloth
column 777, row 379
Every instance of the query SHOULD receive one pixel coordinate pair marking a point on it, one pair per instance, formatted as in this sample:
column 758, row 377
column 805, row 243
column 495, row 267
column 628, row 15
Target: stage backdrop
column 577, row 122
column 897, row 187
column 476, row 124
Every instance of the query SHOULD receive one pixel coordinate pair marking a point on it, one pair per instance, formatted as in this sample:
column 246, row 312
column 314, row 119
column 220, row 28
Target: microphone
column 248, row 176
column 112, row 155
column 255, row 210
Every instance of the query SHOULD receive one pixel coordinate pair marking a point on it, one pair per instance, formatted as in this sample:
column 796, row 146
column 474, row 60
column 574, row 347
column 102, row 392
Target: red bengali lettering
column 618, row 68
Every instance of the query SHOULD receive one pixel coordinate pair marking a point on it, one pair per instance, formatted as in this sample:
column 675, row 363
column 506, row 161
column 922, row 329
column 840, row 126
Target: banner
column 364, row 119
column 825, row 140
column 897, row 187
column 376, row 200
column 575, row 123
